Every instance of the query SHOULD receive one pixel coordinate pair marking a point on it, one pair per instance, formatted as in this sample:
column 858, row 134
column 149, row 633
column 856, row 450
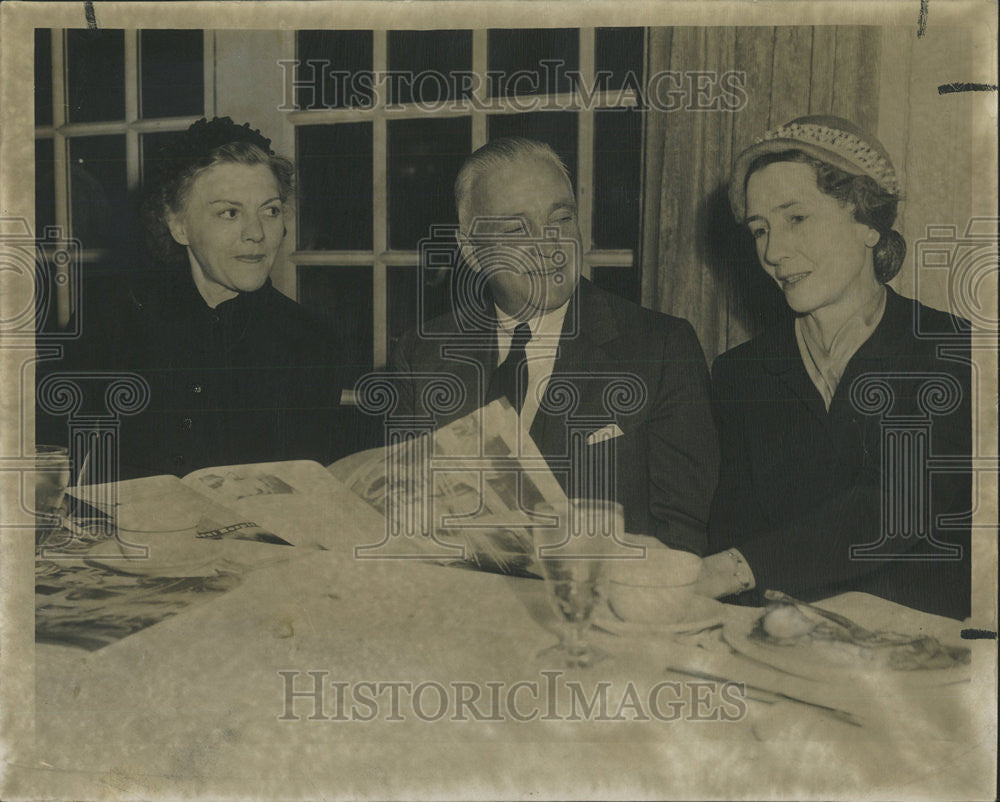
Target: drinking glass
column 51, row 479
column 57, row 533
column 571, row 547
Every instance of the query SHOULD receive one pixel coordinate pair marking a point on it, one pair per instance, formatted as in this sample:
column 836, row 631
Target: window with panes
column 103, row 99
column 375, row 167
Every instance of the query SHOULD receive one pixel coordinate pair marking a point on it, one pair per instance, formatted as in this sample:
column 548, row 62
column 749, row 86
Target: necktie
column 505, row 381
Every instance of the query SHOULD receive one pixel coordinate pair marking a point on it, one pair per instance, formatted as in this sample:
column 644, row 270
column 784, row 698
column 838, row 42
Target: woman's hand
column 724, row 574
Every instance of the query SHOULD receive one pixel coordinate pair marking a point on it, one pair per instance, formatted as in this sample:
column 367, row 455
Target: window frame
column 132, row 126
column 381, row 257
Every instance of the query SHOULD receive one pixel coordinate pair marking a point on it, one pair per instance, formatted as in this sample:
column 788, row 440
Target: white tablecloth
column 192, row 705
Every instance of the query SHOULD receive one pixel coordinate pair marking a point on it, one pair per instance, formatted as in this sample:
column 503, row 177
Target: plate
column 173, row 553
column 702, row 613
column 803, row 661
column 146, row 568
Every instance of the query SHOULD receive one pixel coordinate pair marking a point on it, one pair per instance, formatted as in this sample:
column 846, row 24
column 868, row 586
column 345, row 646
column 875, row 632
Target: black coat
column 256, row 379
column 799, row 485
column 665, row 461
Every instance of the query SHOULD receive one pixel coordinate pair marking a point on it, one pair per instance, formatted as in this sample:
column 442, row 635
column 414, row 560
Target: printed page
column 130, row 555
column 167, row 514
column 466, row 492
column 308, row 505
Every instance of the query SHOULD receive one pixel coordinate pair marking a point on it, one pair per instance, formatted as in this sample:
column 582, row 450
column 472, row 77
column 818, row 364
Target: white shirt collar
column 547, row 324
column 546, row 329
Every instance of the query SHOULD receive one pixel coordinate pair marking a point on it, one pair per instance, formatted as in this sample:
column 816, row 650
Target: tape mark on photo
column 953, row 88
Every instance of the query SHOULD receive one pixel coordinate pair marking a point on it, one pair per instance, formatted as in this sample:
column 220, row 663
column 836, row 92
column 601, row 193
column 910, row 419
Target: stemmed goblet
column 571, row 548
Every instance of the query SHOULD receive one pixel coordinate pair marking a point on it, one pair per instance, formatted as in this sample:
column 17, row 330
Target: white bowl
column 655, row 588
column 660, row 565
column 650, row 604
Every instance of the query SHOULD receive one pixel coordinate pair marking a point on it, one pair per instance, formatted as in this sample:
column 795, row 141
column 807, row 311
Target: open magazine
column 135, row 553
column 465, row 494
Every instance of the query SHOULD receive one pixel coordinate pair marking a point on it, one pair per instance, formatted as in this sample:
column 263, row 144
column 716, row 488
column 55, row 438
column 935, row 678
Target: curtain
column 696, row 263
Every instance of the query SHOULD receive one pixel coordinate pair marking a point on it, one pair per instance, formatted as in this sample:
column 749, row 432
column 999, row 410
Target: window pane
column 343, row 78
column 98, row 189
column 557, row 128
column 619, row 51
column 150, row 148
column 95, row 62
column 518, row 55
column 343, row 295
column 617, row 146
column 335, row 186
column 424, row 159
column 623, row 281
column 43, row 76
column 414, row 291
column 429, row 58
column 172, row 73
column 45, row 185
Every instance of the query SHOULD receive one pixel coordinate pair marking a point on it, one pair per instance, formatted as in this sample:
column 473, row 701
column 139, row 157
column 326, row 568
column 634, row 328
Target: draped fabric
column 696, row 263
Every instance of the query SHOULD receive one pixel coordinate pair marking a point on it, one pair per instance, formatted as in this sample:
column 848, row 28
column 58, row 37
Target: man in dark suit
column 614, row 396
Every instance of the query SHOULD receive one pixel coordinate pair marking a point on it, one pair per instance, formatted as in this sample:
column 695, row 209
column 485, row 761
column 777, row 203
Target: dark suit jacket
column 800, row 485
column 666, row 461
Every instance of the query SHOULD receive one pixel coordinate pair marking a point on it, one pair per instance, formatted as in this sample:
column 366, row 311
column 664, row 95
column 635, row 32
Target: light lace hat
column 830, row 139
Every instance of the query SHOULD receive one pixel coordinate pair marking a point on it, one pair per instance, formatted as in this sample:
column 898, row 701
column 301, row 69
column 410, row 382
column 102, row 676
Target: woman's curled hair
column 173, row 169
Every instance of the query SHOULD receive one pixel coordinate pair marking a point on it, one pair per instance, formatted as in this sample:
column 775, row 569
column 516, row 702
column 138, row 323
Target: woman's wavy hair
column 173, row 169
column 872, row 205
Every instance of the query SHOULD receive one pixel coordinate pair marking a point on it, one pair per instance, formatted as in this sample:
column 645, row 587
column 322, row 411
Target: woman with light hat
column 816, row 496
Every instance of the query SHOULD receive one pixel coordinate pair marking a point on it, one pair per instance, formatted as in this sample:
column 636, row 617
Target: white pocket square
column 609, row 432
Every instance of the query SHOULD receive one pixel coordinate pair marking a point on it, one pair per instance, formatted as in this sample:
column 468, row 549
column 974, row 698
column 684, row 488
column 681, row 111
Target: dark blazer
column 666, row 460
column 799, row 485
column 256, row 379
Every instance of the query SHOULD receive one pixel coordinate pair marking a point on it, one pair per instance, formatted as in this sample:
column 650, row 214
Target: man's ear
column 178, row 228
column 468, row 250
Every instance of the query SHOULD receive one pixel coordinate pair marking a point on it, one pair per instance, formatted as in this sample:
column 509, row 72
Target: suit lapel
column 877, row 353
column 885, row 342
column 784, row 362
column 589, row 324
column 473, row 367
column 473, row 363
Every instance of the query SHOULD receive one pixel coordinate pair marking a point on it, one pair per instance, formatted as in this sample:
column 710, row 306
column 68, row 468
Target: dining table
column 322, row 675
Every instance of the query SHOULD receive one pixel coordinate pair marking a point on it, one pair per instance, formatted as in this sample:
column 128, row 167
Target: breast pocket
column 597, row 457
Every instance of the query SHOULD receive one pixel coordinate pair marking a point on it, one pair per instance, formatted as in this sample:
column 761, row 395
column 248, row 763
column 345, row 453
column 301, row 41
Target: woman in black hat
column 237, row 372
column 828, row 421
